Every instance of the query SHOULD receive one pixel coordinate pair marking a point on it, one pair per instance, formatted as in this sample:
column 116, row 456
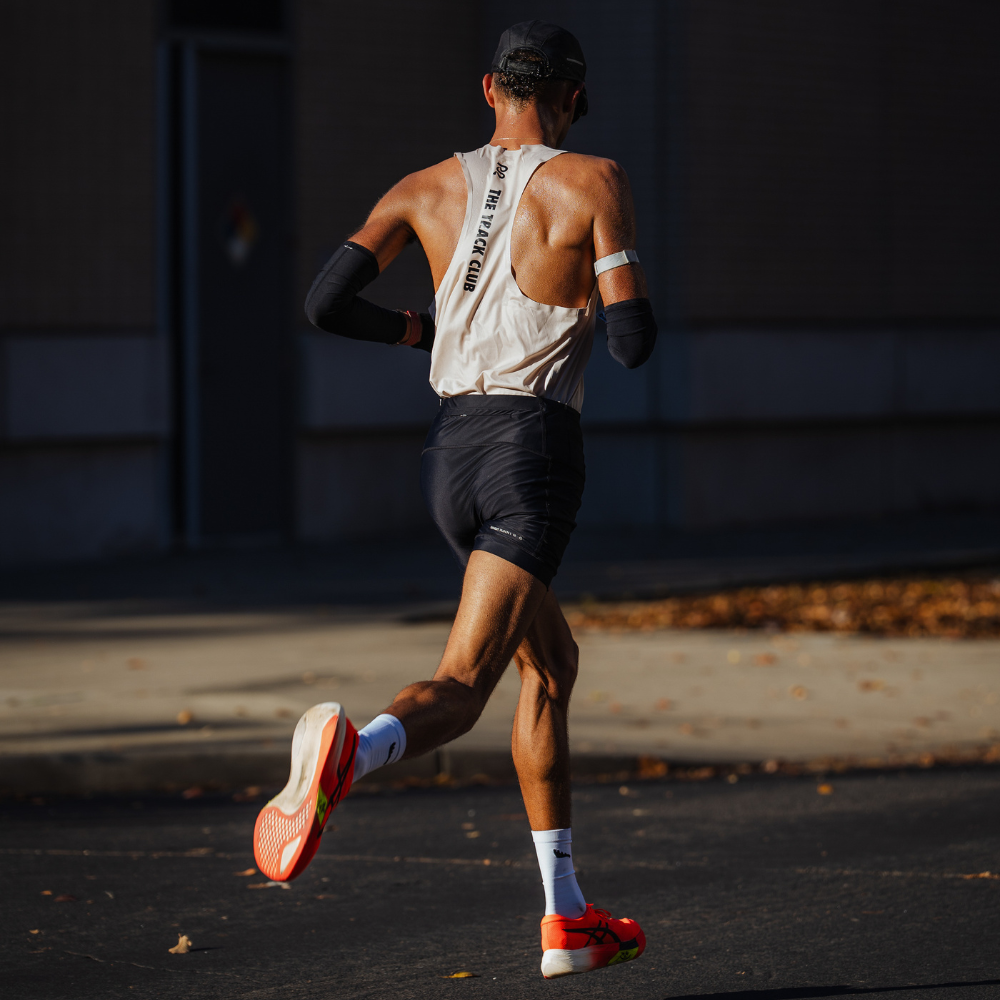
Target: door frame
column 177, row 249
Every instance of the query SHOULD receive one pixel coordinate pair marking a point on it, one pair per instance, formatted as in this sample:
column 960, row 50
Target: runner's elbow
column 631, row 331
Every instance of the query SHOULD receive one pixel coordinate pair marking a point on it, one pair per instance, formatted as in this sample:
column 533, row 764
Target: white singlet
column 489, row 336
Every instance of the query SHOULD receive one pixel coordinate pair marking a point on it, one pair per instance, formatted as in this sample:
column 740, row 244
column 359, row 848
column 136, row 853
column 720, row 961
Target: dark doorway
column 233, row 231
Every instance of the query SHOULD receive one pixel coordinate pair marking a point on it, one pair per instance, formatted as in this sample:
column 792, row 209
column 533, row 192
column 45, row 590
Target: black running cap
column 561, row 55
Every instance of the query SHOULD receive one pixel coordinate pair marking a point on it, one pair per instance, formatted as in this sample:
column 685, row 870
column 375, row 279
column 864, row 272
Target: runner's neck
column 527, row 127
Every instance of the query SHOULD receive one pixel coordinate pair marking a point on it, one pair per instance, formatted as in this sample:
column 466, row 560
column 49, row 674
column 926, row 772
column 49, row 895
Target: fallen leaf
column 268, row 885
column 183, row 946
column 825, row 789
column 663, row 704
column 136, row 663
column 764, row 659
column 652, row 767
column 798, row 692
column 955, row 607
column 249, row 871
column 184, row 716
column 472, row 834
column 462, row 975
column 46, row 892
column 871, row 685
column 35, row 931
column 109, row 894
column 65, row 898
column 193, row 792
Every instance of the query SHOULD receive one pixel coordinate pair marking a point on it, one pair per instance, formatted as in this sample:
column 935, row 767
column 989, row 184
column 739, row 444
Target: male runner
column 514, row 233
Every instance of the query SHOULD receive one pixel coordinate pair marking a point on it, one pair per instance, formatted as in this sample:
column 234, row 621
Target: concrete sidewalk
column 95, row 699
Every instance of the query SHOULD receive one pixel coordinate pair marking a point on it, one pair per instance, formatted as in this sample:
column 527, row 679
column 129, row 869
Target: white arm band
column 615, row 260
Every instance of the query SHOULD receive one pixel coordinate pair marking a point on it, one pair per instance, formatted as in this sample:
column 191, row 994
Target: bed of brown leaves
column 959, row 607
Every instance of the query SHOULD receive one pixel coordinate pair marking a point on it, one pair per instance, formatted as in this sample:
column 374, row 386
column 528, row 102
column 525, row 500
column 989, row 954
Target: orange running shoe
column 590, row 942
column 289, row 826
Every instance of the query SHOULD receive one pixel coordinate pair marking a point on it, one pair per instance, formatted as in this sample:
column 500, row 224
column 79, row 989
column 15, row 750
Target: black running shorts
column 505, row 474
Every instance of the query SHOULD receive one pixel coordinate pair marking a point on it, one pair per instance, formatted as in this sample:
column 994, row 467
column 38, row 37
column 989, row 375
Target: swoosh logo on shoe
column 558, row 853
column 289, row 852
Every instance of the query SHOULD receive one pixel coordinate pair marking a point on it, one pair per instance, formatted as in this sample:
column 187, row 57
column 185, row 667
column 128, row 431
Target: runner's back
column 490, row 337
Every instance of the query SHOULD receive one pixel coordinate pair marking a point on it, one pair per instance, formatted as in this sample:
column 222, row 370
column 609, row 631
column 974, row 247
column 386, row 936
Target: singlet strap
column 615, row 260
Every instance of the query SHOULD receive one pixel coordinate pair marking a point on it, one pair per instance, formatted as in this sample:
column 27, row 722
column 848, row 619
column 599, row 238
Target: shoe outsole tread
column 289, row 827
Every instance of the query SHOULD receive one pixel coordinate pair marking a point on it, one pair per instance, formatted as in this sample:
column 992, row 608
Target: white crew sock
column 562, row 894
column 381, row 742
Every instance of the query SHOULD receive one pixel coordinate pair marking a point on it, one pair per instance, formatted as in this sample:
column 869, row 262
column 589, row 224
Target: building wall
column 830, row 323
column 83, row 374
column 814, row 185
column 367, row 115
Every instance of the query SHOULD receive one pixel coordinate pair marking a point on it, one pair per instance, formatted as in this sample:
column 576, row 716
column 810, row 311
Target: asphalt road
column 759, row 890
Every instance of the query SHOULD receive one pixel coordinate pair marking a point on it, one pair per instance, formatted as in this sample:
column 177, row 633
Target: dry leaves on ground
column 960, row 607
column 183, row 946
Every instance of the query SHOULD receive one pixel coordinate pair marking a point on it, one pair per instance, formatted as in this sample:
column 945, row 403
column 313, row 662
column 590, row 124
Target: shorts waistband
column 503, row 403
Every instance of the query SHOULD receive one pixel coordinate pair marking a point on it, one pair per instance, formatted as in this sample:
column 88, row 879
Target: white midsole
column 306, row 743
column 568, row 961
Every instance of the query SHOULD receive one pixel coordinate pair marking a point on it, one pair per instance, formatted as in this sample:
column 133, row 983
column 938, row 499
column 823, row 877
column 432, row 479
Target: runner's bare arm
column 631, row 328
column 333, row 303
column 614, row 230
column 388, row 228
column 429, row 206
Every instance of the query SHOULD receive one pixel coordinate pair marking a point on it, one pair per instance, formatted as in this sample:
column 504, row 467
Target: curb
column 109, row 773
column 252, row 772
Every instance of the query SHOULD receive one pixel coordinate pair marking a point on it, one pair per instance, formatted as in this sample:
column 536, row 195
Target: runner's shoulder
column 439, row 180
column 598, row 176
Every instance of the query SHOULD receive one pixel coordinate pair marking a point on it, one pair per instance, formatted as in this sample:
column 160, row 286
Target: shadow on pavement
column 807, row 992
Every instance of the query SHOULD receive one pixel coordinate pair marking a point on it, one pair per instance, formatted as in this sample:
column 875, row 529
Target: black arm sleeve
column 332, row 303
column 631, row 331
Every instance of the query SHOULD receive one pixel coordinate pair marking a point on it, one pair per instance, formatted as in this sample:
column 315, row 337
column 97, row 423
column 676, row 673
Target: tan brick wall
column 76, row 172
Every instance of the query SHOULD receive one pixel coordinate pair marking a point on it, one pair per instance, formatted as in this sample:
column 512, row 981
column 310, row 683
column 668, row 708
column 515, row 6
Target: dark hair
column 523, row 88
